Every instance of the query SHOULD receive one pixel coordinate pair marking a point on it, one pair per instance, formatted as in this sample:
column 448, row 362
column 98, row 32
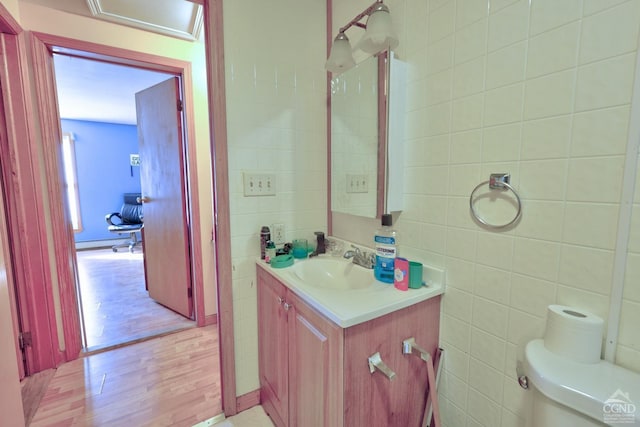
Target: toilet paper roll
column 573, row 333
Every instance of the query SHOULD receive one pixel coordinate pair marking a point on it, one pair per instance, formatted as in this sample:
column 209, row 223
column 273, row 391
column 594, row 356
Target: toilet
column 571, row 393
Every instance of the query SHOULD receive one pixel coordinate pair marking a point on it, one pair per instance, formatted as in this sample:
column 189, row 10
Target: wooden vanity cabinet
column 314, row 373
column 373, row 400
column 273, row 345
column 300, row 359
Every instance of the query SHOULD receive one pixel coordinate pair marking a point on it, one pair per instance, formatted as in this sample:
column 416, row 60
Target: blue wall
column 104, row 173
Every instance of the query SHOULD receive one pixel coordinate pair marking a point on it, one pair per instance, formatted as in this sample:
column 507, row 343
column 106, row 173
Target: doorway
column 48, row 252
column 44, row 47
column 219, row 296
column 101, row 163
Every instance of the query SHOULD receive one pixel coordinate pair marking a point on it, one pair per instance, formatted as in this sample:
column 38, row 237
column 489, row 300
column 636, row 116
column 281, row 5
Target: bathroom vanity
column 314, row 350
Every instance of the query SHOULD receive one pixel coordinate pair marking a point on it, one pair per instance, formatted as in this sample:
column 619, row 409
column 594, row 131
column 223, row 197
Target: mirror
column 367, row 131
column 355, row 140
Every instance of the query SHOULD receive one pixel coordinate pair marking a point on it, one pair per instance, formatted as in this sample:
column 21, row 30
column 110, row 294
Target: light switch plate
column 259, row 184
column 357, row 183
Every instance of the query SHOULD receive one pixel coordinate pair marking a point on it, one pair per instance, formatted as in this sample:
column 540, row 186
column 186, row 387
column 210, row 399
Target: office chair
column 129, row 221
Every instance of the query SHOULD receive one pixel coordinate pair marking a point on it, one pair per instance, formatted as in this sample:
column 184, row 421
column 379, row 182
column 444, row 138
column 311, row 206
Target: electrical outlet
column 277, row 234
column 259, row 184
column 357, row 183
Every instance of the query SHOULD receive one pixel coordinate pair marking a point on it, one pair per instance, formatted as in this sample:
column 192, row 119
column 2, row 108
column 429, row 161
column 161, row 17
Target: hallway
column 171, row 380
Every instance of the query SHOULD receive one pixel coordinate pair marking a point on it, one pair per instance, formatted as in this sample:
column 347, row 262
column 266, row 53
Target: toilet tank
column 574, row 394
column 549, row 413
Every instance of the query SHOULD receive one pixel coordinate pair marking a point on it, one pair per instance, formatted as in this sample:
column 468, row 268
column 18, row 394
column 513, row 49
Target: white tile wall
column 548, row 138
column 628, row 349
column 276, row 91
column 503, row 105
column 553, row 50
column 541, row 89
column 610, row 33
column 605, row 83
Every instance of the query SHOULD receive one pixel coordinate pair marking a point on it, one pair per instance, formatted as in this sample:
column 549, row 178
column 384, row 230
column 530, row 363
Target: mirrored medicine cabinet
column 366, row 167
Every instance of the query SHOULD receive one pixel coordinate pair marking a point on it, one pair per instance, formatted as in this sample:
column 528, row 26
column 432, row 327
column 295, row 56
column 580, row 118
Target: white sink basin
column 332, row 273
column 348, row 294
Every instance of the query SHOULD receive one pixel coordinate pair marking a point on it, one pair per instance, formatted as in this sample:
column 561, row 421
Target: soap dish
column 282, row 261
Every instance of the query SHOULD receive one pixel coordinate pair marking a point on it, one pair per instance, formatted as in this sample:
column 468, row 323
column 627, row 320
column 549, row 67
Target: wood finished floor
column 117, row 308
column 172, row 380
column 33, row 389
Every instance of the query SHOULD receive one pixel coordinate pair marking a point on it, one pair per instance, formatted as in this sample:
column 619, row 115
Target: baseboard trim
column 248, row 400
column 210, row 319
column 211, row 421
column 97, row 244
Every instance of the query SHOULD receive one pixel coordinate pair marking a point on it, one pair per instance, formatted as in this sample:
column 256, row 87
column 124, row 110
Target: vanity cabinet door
column 372, row 400
column 315, row 374
column 273, row 344
column 315, row 367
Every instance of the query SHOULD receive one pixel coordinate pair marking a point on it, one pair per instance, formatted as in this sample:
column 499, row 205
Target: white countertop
column 350, row 307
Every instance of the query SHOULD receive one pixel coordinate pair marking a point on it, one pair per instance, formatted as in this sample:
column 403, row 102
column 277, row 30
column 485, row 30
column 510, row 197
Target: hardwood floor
column 117, row 309
column 33, row 389
column 172, row 380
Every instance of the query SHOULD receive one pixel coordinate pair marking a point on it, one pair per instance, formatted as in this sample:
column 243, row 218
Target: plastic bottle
column 265, row 236
column 270, row 252
column 386, row 250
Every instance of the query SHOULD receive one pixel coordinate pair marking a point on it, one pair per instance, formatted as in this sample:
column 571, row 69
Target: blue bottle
column 385, row 244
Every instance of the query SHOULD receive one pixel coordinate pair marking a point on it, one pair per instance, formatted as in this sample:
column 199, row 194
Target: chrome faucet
column 362, row 258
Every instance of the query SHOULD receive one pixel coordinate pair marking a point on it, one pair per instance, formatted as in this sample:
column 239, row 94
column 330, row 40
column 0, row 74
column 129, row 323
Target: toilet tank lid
column 584, row 387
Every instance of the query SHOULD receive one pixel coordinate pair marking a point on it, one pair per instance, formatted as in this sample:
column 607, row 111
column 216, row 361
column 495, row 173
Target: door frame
column 37, row 266
column 42, row 47
column 6, row 200
column 9, row 27
column 214, row 43
column 27, row 233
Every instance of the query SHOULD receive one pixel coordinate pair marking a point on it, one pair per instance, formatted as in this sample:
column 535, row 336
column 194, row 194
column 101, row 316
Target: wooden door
column 315, row 367
column 166, row 238
column 273, row 343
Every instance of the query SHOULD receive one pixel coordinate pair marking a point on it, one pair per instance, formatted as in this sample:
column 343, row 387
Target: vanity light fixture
column 341, row 58
column 378, row 36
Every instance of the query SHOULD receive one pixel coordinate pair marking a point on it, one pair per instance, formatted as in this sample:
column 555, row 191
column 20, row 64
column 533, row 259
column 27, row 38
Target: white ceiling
column 177, row 18
column 99, row 91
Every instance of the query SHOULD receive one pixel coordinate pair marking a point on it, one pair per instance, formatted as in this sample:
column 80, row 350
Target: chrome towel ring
column 497, row 181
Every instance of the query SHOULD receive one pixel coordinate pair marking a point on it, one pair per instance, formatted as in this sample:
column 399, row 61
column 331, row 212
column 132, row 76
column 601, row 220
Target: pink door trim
column 8, row 24
column 214, row 34
column 28, row 239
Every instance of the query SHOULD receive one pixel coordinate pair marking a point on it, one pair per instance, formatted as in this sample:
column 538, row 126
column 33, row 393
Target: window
column 71, row 180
